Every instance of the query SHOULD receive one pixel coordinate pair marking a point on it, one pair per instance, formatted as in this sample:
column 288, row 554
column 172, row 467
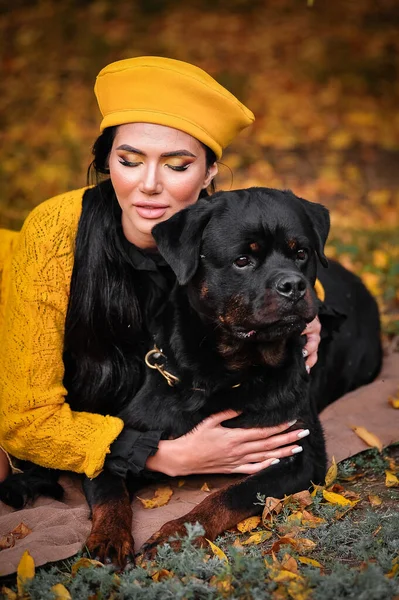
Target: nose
column 292, row 286
column 151, row 181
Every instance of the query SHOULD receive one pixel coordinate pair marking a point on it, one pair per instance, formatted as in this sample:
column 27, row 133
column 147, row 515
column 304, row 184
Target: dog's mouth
column 279, row 329
column 245, row 335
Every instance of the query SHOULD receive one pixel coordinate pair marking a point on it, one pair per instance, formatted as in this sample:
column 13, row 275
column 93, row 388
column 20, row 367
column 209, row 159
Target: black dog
column 230, row 336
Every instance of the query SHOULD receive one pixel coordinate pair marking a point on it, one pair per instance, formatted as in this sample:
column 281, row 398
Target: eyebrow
column 128, row 148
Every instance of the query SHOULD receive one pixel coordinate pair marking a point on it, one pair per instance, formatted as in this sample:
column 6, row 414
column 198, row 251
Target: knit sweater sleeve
column 36, row 422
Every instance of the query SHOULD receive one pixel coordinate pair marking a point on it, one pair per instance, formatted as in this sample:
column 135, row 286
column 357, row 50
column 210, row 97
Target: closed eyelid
column 130, row 156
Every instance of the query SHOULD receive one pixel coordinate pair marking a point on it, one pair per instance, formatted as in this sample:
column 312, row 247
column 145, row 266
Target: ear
column 211, row 173
column 320, row 218
column 179, row 239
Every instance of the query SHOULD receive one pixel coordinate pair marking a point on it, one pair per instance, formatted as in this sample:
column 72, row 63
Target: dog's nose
column 291, row 286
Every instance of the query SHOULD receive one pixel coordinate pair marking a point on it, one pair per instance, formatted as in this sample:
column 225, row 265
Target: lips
column 150, row 211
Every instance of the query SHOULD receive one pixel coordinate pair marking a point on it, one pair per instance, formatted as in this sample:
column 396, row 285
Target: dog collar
column 156, row 359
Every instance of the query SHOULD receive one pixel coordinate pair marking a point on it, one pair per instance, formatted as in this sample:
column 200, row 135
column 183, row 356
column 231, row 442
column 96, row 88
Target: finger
column 274, row 442
column 251, row 468
column 278, row 453
column 311, row 345
column 241, row 435
column 312, row 327
column 312, row 360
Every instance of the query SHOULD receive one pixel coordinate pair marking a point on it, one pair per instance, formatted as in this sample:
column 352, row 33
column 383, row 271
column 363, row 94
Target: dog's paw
column 172, row 529
column 116, row 548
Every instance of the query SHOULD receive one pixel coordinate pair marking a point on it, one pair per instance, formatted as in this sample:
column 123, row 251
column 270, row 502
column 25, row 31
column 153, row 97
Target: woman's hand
column 312, row 332
column 212, row 448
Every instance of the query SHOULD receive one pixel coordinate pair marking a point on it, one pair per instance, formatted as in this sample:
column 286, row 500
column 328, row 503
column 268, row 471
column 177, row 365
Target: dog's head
column 249, row 259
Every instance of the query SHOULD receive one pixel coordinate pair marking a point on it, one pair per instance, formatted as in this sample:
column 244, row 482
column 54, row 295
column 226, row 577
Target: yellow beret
column 152, row 89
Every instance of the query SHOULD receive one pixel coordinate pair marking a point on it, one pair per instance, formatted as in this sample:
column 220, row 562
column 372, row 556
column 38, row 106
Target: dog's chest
column 262, row 401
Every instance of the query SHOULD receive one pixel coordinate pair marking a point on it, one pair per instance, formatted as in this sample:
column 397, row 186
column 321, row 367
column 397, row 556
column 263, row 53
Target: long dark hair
column 104, row 322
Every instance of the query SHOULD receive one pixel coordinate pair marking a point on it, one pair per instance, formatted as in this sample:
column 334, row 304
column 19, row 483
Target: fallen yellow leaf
column 272, row 505
column 289, row 529
column 257, row 538
column 181, row 482
column 18, row 533
column 161, row 497
column 84, row 563
column 161, row 574
column 316, row 488
column 395, row 568
column 304, row 545
column 25, row 571
column 374, row 500
column 310, row 561
column 248, row 524
column 298, row 590
column 332, row 473
column 303, row 498
column 223, row 585
column 369, row 438
column 333, row 498
column 283, row 541
column 205, row 488
column 310, row 520
column 391, row 480
column 217, row 551
column 60, row 592
column 289, row 563
column 295, row 517
column 284, row 575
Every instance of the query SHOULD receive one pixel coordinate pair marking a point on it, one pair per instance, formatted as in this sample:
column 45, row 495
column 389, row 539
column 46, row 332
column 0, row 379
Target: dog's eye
column 242, row 261
column 302, row 254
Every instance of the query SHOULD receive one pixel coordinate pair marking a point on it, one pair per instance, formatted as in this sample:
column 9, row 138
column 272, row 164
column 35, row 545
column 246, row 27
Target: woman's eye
column 242, row 261
column 302, row 254
column 178, row 167
column 127, row 163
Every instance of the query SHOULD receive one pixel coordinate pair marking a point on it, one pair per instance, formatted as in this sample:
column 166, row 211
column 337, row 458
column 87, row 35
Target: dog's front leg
column 110, row 539
column 212, row 513
column 233, row 503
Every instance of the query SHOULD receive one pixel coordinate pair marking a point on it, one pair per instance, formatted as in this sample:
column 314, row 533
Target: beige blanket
column 59, row 529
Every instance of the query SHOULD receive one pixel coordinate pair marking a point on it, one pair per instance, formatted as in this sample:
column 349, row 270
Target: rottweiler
column 229, row 337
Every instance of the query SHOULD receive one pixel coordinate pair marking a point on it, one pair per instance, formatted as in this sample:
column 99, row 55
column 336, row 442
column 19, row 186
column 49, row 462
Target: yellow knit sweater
column 36, row 423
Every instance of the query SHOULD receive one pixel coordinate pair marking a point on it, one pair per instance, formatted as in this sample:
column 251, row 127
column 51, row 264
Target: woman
column 84, row 280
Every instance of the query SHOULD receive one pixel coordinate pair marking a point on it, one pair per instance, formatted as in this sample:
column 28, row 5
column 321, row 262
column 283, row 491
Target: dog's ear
column 179, row 239
column 320, row 217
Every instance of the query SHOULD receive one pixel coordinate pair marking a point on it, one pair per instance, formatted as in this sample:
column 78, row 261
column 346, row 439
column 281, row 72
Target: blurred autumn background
column 321, row 78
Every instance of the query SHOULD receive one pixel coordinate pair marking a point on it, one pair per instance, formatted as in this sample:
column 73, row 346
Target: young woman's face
column 155, row 171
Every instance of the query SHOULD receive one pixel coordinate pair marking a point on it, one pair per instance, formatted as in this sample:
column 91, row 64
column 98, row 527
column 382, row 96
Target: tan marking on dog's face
column 204, row 290
column 292, row 244
column 254, row 247
column 236, row 310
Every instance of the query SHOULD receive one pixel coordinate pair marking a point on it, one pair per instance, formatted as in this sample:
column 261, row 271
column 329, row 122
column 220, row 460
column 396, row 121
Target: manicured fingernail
column 303, row 433
column 291, row 423
column 307, row 369
column 297, row 450
column 275, row 461
column 304, row 353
